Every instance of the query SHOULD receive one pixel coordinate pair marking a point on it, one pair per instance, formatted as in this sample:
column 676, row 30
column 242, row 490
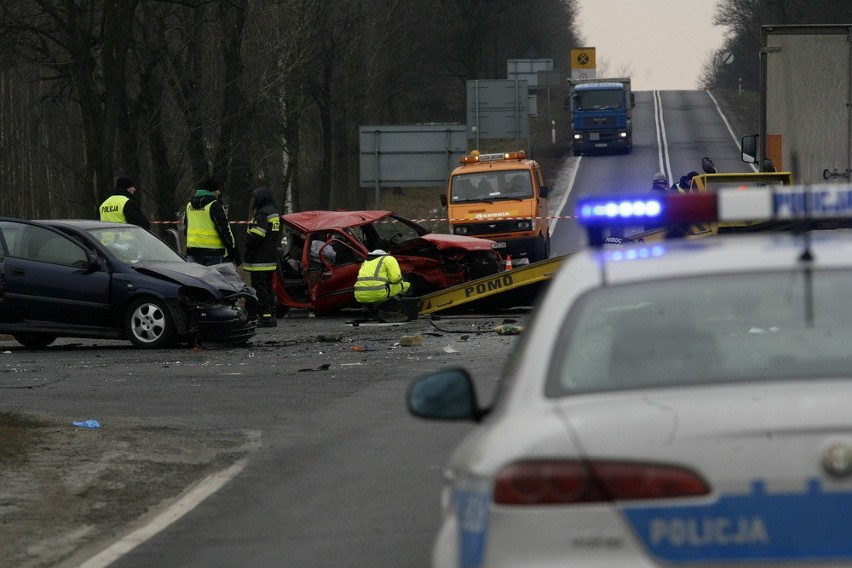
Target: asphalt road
column 341, row 475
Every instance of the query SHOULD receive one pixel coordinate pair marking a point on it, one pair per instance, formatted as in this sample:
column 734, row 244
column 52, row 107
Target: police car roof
column 678, row 258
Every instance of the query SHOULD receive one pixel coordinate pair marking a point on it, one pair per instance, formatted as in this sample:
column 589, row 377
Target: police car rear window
column 723, row 328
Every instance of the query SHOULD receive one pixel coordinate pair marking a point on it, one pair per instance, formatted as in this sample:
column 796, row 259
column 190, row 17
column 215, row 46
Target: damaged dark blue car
column 90, row 279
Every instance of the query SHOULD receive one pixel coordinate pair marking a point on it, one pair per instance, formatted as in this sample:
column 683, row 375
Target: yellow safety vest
column 200, row 230
column 378, row 281
column 112, row 209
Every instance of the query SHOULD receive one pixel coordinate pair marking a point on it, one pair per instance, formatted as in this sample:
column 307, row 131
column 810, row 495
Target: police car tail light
column 563, row 482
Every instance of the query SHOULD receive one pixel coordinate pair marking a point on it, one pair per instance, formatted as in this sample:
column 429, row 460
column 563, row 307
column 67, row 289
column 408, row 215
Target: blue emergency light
column 808, row 205
column 611, row 210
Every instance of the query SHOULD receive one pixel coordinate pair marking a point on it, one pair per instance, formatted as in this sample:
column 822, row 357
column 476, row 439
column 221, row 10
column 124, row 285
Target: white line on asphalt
column 184, row 505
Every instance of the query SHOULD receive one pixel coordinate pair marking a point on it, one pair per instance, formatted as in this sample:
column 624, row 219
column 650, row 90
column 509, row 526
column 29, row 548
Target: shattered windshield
column 134, row 244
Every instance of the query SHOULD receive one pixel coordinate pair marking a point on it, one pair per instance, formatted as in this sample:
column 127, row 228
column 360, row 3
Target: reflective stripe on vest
column 369, row 287
column 259, row 266
column 200, row 230
column 112, row 209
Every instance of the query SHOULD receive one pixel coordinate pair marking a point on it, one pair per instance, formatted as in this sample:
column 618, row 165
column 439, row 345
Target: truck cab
column 601, row 112
column 502, row 197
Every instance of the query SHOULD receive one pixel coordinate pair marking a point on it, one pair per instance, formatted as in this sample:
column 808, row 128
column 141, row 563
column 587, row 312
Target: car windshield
column 491, row 186
column 134, row 244
column 599, row 100
column 733, row 327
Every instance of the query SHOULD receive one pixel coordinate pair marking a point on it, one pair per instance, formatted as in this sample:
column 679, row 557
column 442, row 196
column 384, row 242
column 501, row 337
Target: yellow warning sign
column 583, row 58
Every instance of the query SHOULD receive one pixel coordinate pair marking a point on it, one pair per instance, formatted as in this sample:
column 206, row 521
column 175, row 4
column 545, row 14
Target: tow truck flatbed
column 509, row 288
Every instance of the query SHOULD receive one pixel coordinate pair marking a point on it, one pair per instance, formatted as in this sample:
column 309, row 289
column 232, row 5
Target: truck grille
column 489, row 227
column 599, row 121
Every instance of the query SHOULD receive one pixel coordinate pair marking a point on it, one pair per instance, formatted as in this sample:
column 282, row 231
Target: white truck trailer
column 805, row 102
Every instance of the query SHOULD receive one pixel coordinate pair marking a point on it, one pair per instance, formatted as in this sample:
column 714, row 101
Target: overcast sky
column 662, row 42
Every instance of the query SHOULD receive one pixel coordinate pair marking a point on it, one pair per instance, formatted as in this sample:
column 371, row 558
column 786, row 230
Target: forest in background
column 271, row 92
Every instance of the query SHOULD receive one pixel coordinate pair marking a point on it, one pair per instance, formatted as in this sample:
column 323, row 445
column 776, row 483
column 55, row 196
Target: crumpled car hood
column 443, row 242
column 223, row 277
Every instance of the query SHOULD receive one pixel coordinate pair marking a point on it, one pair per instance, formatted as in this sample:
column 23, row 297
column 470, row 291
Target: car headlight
column 622, row 135
column 461, row 229
column 578, row 136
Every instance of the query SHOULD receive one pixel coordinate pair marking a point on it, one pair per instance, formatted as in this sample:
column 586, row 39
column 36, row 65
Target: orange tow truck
column 502, row 197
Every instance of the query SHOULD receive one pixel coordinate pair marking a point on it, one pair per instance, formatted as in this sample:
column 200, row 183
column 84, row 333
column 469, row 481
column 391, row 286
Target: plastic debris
column 449, row 349
column 87, row 423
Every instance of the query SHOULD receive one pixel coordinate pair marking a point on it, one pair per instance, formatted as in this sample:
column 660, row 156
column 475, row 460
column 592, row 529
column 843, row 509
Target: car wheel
column 34, row 340
column 149, row 324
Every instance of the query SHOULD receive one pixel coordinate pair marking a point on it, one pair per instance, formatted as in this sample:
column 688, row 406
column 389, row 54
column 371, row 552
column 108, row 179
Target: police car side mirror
column 444, row 395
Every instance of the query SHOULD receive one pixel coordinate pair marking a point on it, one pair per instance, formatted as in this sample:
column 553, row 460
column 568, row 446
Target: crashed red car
column 323, row 282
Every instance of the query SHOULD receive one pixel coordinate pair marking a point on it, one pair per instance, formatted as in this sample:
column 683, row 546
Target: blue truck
column 601, row 111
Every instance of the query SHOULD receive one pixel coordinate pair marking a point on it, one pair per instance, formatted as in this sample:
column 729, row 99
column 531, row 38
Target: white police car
column 682, row 403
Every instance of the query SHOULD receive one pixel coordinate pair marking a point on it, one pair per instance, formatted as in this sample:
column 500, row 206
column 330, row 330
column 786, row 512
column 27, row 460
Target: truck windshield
column 599, row 100
column 491, row 186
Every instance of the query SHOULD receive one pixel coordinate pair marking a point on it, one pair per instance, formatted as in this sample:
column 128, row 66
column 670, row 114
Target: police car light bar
column 770, row 203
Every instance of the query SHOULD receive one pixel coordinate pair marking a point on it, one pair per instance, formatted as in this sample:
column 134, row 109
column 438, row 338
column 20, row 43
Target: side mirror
column 543, row 191
column 444, row 199
column 93, row 263
column 173, row 239
column 748, row 146
column 444, row 395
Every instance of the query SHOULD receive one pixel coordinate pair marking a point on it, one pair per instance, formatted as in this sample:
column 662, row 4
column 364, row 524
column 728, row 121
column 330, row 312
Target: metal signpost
column 409, row 155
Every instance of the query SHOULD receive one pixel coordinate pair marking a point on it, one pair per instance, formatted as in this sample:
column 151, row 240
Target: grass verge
column 17, row 436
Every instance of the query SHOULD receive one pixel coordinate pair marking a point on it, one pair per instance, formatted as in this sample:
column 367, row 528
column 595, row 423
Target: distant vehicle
column 804, row 123
column 680, row 403
column 323, row 252
column 500, row 196
column 81, row 278
column 601, row 115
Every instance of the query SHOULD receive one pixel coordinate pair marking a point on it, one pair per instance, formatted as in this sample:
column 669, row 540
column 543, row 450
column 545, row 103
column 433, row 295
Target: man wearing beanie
column 122, row 207
column 209, row 238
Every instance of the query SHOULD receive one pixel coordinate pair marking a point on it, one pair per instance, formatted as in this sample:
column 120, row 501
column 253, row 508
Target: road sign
column 583, row 63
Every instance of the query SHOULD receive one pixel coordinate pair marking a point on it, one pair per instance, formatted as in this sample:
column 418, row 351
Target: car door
column 333, row 284
column 48, row 279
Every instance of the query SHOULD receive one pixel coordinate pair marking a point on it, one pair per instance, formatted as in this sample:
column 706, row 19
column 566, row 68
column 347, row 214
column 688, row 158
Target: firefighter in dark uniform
column 122, row 206
column 208, row 232
column 261, row 257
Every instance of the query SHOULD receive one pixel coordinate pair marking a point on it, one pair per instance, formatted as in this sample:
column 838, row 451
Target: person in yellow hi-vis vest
column 122, row 206
column 380, row 283
column 262, row 239
column 209, row 239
